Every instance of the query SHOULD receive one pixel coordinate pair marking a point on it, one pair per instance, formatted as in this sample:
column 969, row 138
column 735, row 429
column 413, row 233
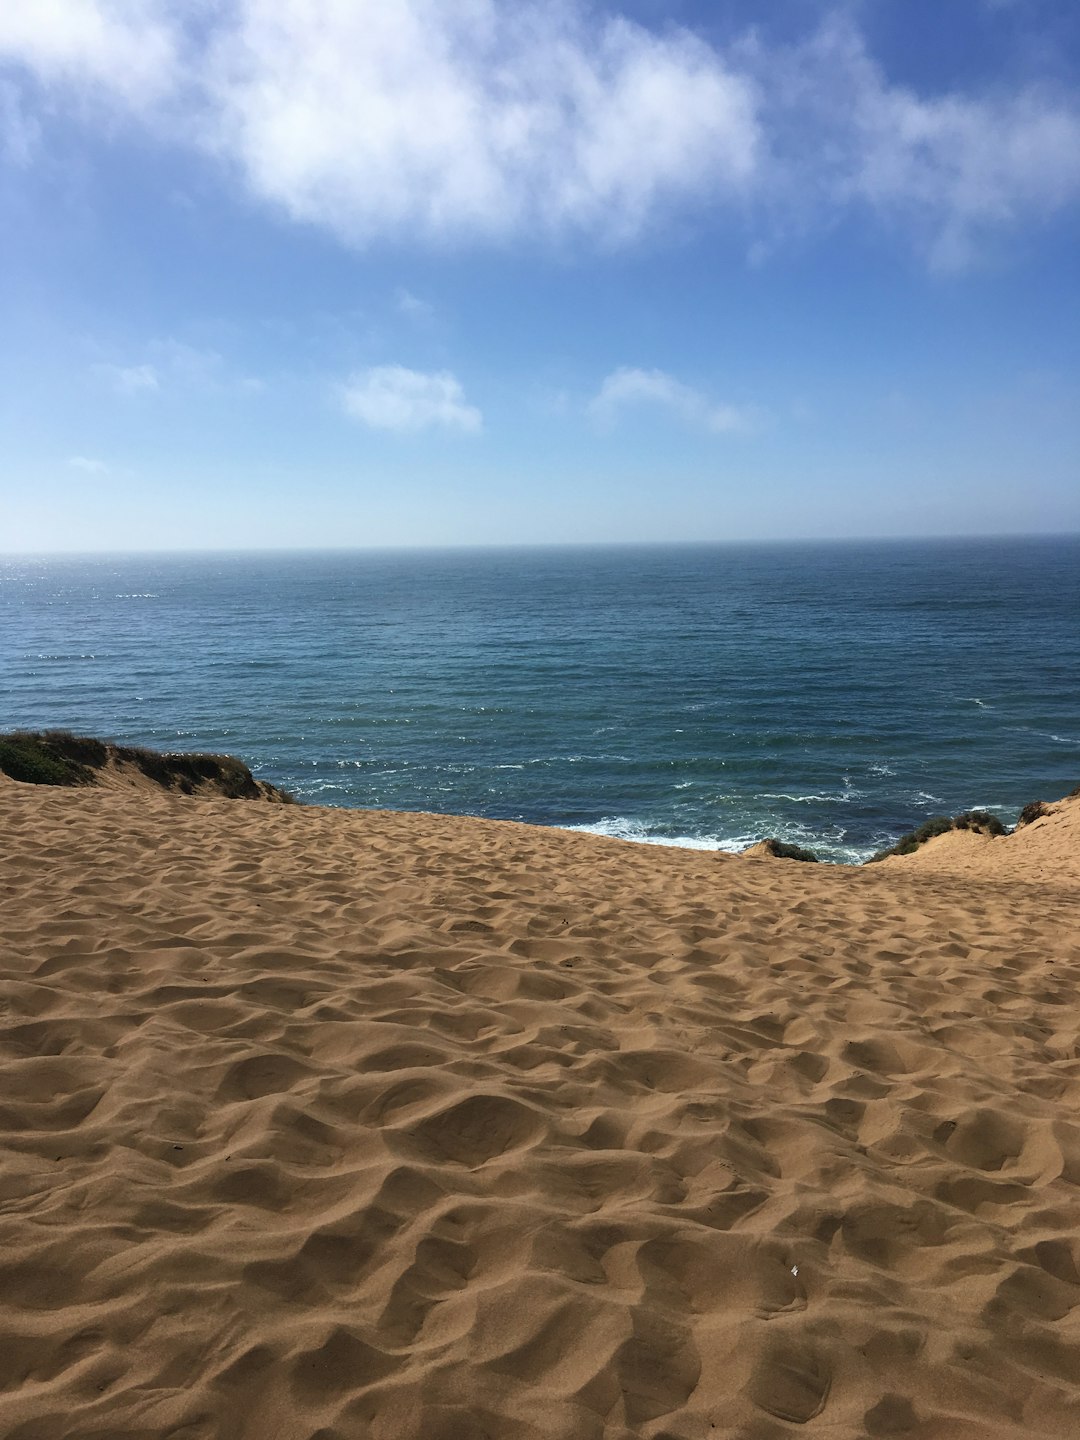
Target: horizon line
column 464, row 546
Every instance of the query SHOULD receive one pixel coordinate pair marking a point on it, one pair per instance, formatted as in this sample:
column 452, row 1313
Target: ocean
column 828, row 694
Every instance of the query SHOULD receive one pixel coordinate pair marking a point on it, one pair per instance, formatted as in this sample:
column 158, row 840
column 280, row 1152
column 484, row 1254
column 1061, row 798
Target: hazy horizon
column 389, row 549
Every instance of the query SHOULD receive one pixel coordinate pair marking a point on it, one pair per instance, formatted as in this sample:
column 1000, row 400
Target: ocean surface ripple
column 829, row 694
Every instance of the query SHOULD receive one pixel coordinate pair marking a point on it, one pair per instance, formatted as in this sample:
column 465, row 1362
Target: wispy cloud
column 391, row 397
column 628, row 388
column 496, row 121
column 946, row 170
column 20, row 133
column 412, row 306
column 197, row 368
column 174, row 365
column 88, row 465
column 130, row 379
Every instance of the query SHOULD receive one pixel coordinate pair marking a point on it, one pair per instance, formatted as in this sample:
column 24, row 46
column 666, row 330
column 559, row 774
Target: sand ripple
column 328, row 1124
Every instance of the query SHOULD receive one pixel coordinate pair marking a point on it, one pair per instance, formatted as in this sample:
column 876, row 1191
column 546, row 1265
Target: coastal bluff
column 323, row 1124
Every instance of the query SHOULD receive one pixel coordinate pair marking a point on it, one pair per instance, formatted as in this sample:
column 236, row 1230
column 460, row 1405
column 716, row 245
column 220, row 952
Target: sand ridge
column 343, row 1124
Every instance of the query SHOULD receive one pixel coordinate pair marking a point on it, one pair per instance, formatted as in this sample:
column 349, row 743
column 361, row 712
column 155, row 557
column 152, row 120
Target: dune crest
column 342, row 1124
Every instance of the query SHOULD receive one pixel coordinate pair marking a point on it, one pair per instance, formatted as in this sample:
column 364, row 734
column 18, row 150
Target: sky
column 306, row 273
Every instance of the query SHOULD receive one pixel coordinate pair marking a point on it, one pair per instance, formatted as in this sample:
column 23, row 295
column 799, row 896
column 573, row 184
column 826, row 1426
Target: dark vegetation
column 784, row 850
column 979, row 820
column 186, row 772
column 1035, row 811
column 56, row 757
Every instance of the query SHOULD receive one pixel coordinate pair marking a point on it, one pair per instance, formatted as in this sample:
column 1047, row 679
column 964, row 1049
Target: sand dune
column 338, row 1124
column 1047, row 850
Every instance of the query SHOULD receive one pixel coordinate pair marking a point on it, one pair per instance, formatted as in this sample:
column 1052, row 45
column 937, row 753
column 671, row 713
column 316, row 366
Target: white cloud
column 422, row 118
column 475, row 119
column 435, row 121
column 130, row 379
column 630, row 388
column 175, row 365
column 390, row 397
column 126, row 49
column 945, row 170
column 88, row 465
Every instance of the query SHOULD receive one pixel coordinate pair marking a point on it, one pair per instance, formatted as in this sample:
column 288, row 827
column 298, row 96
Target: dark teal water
column 829, row 694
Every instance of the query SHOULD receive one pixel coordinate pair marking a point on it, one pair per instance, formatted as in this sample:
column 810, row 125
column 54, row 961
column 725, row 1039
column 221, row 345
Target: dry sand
column 346, row 1124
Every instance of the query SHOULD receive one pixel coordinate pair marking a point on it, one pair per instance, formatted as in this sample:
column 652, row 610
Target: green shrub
column 35, row 760
column 1035, row 811
column 979, row 820
column 940, row 825
column 80, row 749
column 56, row 757
column 150, row 762
column 233, row 778
column 784, row 850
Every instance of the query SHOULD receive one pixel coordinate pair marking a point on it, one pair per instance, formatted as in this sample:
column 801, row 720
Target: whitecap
column 621, row 827
column 841, row 799
column 1043, row 734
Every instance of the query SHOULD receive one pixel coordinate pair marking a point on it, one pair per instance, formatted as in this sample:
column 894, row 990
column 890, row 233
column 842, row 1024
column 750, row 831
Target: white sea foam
column 620, row 827
column 842, row 798
column 1044, row 734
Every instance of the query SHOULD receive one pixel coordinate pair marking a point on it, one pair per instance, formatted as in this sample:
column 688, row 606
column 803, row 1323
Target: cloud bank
column 457, row 121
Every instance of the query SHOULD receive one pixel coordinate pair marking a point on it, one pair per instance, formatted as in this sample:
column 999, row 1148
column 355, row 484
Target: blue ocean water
column 831, row 694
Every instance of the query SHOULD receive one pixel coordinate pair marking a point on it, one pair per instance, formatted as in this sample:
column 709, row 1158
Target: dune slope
column 338, row 1124
column 1046, row 850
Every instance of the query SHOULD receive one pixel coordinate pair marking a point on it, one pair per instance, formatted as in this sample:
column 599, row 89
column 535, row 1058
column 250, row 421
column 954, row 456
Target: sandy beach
column 328, row 1123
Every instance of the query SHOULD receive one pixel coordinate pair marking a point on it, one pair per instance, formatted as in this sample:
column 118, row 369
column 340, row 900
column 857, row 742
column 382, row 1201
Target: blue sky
column 351, row 272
